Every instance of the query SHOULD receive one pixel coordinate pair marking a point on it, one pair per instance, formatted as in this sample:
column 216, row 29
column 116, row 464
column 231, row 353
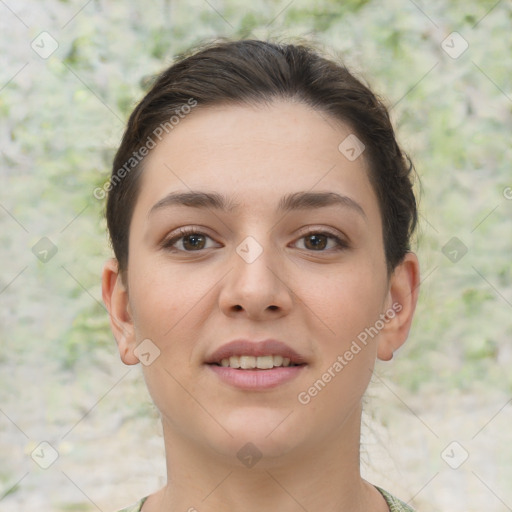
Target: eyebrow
column 289, row 202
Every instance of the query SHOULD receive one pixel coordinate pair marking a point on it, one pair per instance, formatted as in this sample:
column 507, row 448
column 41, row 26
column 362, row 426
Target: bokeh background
column 437, row 423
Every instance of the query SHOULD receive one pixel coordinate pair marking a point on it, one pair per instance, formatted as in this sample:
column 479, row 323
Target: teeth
column 278, row 360
column 264, row 362
column 260, row 362
column 247, row 362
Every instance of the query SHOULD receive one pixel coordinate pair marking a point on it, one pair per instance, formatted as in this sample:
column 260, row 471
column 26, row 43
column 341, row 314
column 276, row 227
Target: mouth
column 247, row 362
column 256, row 366
column 251, row 355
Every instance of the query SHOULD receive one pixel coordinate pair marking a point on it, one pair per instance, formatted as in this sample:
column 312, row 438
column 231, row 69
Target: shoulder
column 394, row 504
column 136, row 507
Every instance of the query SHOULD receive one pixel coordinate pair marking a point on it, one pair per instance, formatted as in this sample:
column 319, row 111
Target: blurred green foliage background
column 62, row 118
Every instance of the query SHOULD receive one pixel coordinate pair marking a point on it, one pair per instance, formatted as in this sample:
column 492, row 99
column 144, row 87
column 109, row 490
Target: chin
column 263, row 431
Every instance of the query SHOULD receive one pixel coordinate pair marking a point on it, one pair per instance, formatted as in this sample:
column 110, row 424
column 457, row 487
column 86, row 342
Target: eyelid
column 320, row 229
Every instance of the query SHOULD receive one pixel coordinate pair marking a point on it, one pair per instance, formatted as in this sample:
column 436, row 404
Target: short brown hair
column 253, row 72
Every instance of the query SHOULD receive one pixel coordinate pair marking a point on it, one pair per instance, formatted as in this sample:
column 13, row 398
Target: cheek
column 348, row 307
column 158, row 302
column 346, row 302
column 166, row 305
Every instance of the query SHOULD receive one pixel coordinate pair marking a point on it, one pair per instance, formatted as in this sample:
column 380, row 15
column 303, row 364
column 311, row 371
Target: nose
column 257, row 286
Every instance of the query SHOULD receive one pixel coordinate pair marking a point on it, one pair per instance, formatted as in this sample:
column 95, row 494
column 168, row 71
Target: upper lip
column 243, row 347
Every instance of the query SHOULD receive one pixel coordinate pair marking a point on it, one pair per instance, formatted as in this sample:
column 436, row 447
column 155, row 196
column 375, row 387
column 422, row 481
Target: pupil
column 196, row 241
column 319, row 239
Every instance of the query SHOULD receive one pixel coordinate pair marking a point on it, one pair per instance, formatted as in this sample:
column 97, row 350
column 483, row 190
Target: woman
column 260, row 212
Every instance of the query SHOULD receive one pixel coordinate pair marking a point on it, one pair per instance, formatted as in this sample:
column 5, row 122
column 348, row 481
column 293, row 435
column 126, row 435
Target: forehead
column 256, row 155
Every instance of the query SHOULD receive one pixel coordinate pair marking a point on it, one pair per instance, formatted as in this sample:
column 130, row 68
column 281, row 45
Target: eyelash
column 184, row 232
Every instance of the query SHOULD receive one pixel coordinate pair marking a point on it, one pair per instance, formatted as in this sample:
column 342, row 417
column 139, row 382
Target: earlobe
column 401, row 303
column 115, row 297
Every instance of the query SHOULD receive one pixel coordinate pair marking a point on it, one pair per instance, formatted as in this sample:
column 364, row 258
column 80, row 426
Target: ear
column 401, row 304
column 115, row 297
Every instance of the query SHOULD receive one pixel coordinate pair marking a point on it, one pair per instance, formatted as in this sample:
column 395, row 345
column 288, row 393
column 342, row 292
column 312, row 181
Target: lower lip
column 256, row 379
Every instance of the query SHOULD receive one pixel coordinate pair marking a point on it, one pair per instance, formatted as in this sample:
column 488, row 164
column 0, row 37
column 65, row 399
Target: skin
column 317, row 300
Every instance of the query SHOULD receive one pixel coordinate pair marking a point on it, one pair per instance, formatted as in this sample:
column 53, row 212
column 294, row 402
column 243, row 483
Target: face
column 296, row 255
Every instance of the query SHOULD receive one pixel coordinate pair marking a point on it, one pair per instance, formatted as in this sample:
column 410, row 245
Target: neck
column 324, row 476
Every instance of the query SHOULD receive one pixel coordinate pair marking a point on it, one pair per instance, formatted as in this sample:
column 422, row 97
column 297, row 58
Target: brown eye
column 319, row 241
column 316, row 241
column 187, row 241
column 195, row 241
